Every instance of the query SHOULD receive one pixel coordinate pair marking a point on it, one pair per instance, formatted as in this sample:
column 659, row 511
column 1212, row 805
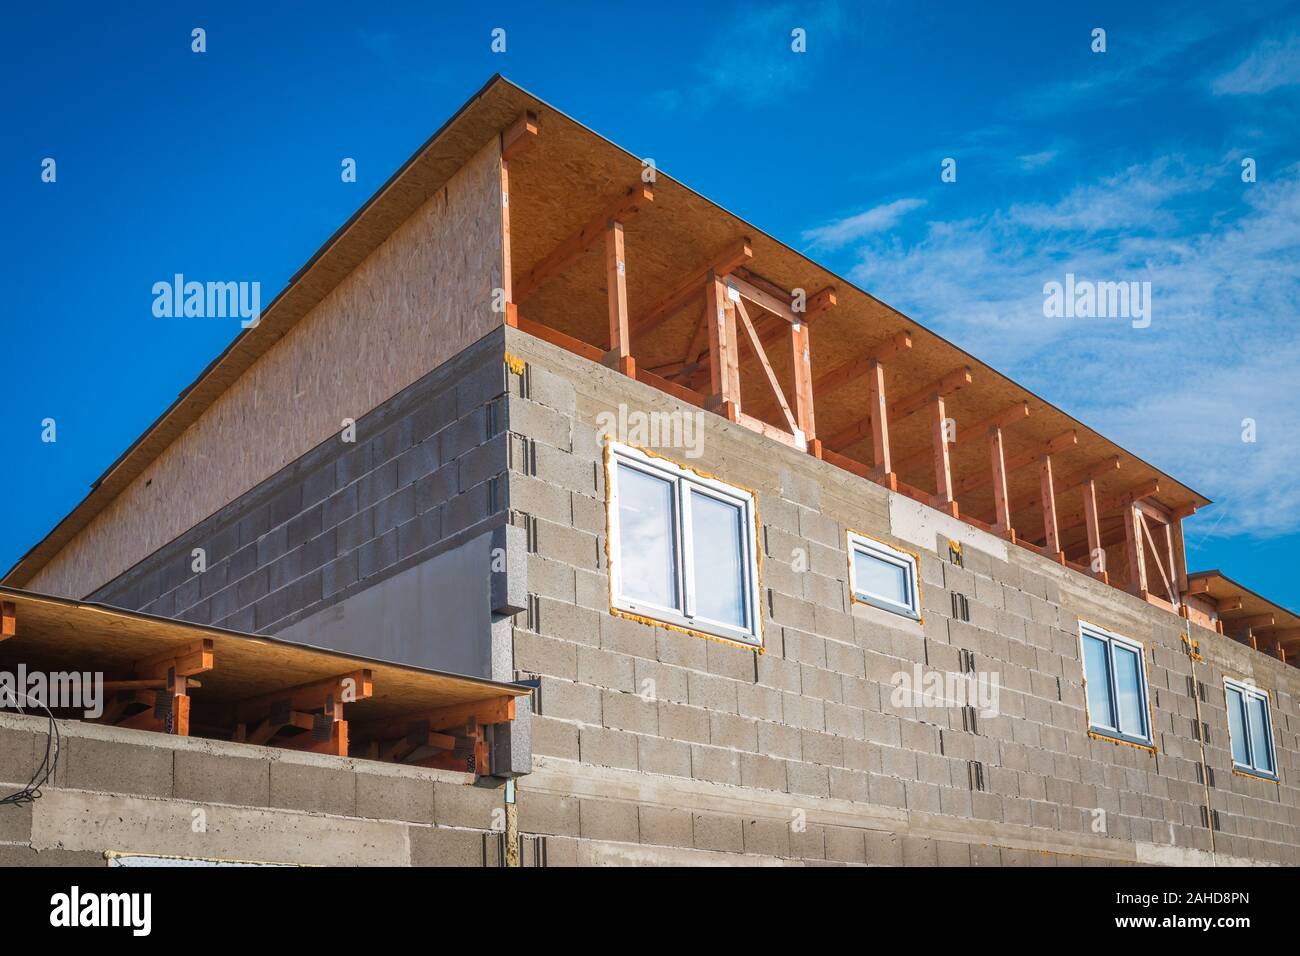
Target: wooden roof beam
column 896, row 411
column 897, row 343
column 1008, row 416
column 778, row 301
column 316, row 695
column 689, row 286
column 1256, row 622
column 1059, row 443
column 956, row 379
column 1143, row 490
column 562, row 256
column 519, row 135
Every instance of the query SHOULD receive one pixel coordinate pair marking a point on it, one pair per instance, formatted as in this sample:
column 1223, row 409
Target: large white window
column 682, row 547
column 883, row 577
column 1115, row 681
column 1250, row 729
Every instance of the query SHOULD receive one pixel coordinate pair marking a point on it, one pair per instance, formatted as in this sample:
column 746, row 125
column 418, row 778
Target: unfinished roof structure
column 184, row 679
column 648, row 275
column 1216, row 601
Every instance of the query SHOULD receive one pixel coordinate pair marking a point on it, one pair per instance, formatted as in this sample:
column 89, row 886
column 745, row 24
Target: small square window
column 1250, row 729
column 682, row 547
column 883, row 577
column 1115, row 685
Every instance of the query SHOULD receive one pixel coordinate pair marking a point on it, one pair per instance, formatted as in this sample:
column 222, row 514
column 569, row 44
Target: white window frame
column 861, row 544
column 1111, row 639
column 685, row 481
column 1248, row 691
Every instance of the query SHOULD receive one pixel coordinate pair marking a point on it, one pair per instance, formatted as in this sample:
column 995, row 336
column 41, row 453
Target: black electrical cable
column 41, row 776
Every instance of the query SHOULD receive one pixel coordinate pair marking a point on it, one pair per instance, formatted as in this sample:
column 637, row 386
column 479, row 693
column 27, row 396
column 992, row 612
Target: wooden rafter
column 776, row 300
column 620, row 209
column 899, row 410
column 688, row 286
column 858, row 368
column 516, row 137
column 968, row 433
column 315, row 708
column 1052, row 446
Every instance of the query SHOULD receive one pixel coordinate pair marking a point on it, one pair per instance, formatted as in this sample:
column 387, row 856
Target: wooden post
column 801, row 362
column 1001, row 503
column 943, row 498
column 1180, row 552
column 1052, row 537
column 619, row 355
column 1137, row 565
column 879, row 421
column 724, row 367
column 1096, row 553
column 8, row 620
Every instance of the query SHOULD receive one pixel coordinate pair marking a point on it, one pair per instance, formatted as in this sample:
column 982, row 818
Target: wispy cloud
column 1131, row 67
column 841, row 232
column 1033, row 161
column 751, row 61
column 1225, row 279
column 1273, row 63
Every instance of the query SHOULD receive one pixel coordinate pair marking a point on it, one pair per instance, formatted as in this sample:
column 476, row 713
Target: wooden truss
column 742, row 316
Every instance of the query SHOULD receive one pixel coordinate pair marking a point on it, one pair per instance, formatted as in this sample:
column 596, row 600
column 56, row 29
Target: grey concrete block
column 220, row 778
column 547, row 813
column 112, row 766
column 609, row 820
column 383, row 796
column 442, row 846
column 314, row 788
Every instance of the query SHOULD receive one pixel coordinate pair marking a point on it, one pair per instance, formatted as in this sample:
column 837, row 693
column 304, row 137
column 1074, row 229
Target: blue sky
column 1117, row 166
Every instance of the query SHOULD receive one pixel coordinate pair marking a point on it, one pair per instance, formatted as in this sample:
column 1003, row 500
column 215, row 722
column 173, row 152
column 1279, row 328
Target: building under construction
column 552, row 515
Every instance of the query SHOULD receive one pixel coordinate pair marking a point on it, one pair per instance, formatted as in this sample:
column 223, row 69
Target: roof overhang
column 253, row 687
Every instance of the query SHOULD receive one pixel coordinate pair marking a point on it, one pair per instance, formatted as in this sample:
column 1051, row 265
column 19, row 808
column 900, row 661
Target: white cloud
column 1222, row 345
column 1274, row 63
column 843, row 231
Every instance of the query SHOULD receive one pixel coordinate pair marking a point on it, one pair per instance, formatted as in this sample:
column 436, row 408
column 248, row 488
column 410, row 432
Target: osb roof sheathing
column 59, row 634
column 558, row 183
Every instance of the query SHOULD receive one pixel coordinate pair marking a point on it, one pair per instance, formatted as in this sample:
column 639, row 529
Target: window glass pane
column 882, row 579
column 1096, row 670
column 1260, row 749
column 645, row 529
column 1237, row 727
column 1128, row 684
column 718, row 551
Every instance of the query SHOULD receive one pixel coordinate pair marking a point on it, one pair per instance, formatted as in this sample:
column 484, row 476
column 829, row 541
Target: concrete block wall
column 135, row 792
column 655, row 745
column 423, row 476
